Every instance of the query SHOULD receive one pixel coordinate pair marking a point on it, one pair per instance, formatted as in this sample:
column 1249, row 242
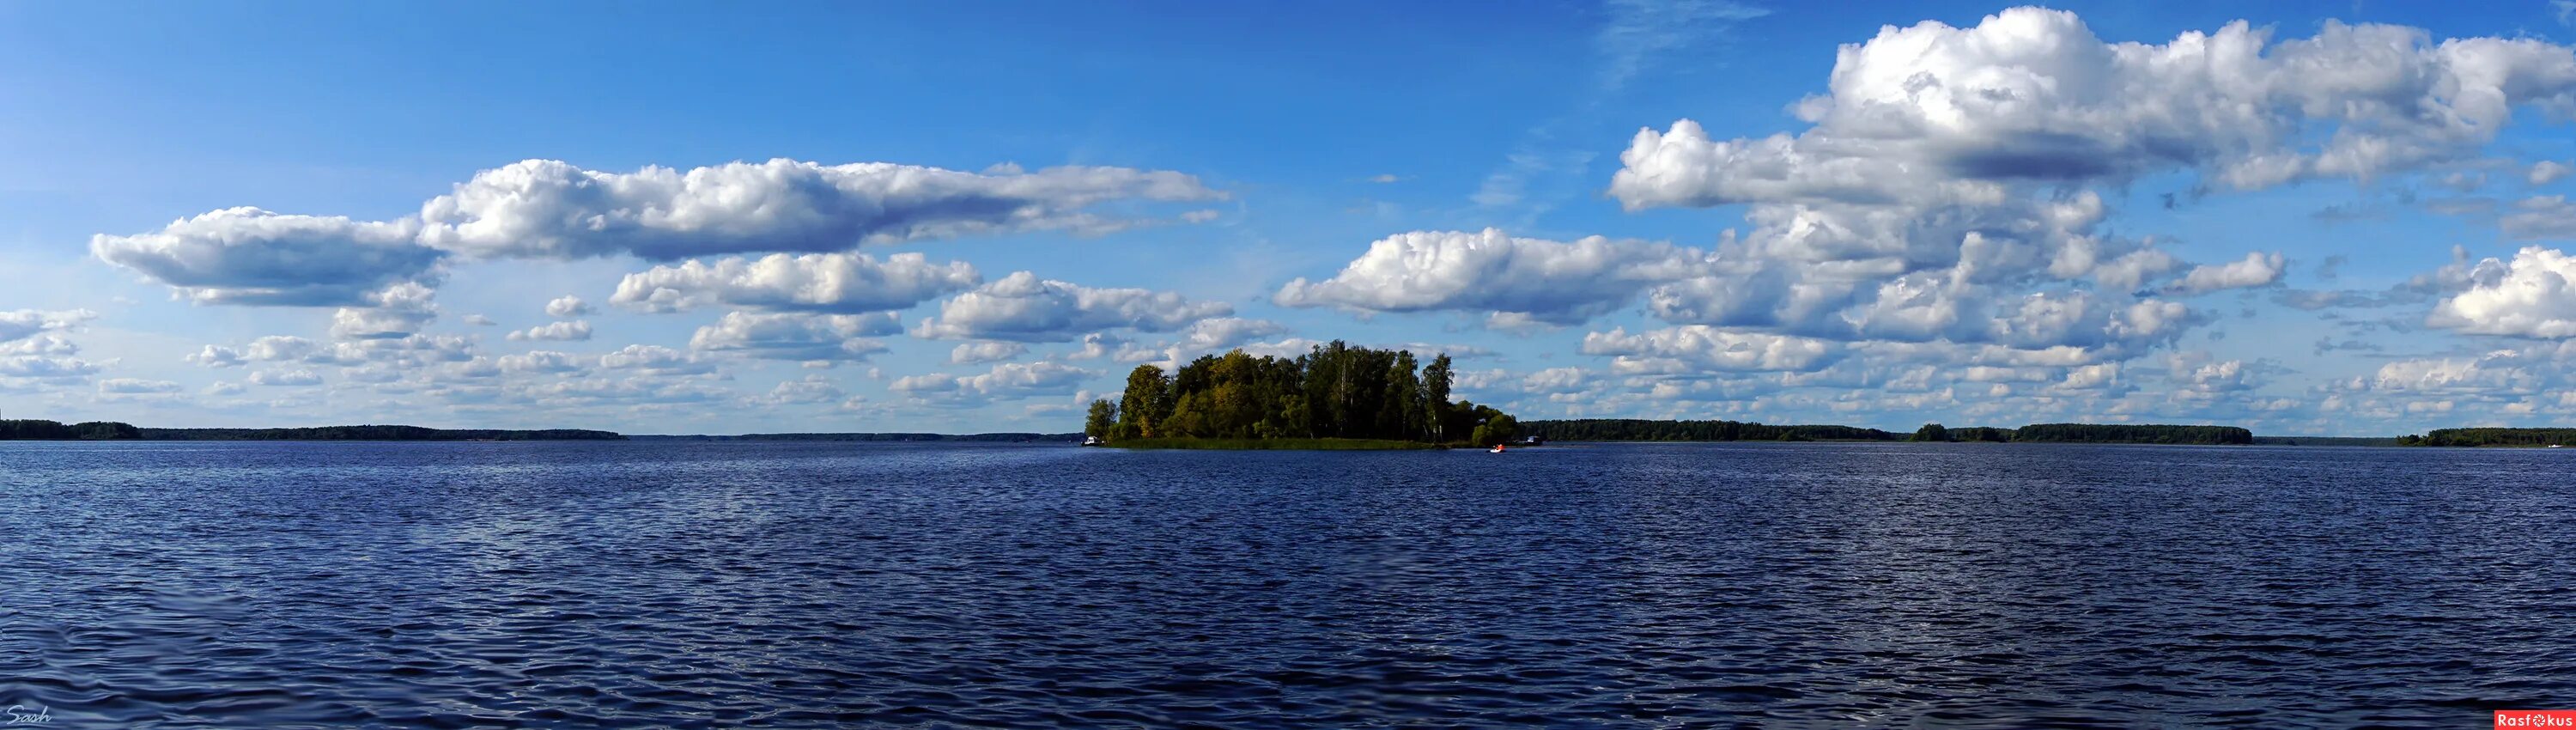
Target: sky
column 2345, row 218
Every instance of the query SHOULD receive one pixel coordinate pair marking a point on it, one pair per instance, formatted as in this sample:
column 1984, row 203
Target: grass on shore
column 1274, row 444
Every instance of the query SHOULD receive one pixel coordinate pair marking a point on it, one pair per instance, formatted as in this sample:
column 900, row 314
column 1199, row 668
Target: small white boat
column 1093, row 441
column 1498, row 448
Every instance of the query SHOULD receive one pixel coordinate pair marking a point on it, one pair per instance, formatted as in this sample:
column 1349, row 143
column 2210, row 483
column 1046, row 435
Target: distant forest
column 372, row 433
column 1335, row 391
column 32, row 430
column 2493, row 437
column 976, row 437
column 1630, row 429
column 1644, row 430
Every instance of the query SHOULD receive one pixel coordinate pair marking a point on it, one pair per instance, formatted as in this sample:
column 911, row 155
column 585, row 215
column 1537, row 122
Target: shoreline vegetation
column 1335, row 396
column 1607, row 429
column 1014, row 437
column 1279, row 444
column 41, row 430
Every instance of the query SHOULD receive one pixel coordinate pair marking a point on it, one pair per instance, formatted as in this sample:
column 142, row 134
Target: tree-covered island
column 1334, row 397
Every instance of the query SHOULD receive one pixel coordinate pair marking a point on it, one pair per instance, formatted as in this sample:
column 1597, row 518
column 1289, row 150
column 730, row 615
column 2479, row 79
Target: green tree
column 1104, row 418
column 1931, row 432
column 1142, row 403
column 1435, row 398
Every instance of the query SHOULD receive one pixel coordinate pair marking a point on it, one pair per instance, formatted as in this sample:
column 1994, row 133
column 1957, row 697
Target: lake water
column 648, row 584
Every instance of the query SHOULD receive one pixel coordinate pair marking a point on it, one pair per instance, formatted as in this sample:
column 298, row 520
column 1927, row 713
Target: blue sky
column 2334, row 218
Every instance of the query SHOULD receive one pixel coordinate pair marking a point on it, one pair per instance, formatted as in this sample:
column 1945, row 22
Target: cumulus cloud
column 252, row 256
column 398, row 311
column 1023, row 308
column 2534, row 295
column 540, row 361
column 826, row 337
column 25, row 323
column 845, row 283
column 2256, row 269
column 49, row 368
column 2031, row 94
column 216, row 356
column 1692, row 348
column 655, row 360
column 286, row 378
column 567, row 307
column 970, row 353
column 811, row 389
column 2541, row 217
column 1005, row 381
column 551, row 209
column 2549, row 171
column 1488, row 271
column 572, row 331
column 132, row 386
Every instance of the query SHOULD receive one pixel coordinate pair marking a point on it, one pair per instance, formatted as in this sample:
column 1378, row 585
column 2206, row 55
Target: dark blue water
column 816, row 585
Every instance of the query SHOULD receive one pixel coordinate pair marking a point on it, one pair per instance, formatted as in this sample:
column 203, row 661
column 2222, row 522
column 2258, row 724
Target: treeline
column 2087, row 433
column 373, row 433
column 40, row 430
column 1334, row 391
column 972, row 437
column 2492, row 437
column 1635, row 429
column 1624, row 429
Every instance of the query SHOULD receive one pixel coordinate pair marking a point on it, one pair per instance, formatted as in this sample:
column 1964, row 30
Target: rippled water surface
column 646, row 584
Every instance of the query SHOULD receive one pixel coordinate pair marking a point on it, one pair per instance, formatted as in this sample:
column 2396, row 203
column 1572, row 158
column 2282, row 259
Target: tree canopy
column 1608, row 429
column 40, row 430
column 2493, row 437
column 1335, row 391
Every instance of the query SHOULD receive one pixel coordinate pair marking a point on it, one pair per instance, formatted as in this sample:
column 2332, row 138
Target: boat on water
column 1094, row 441
column 1498, row 448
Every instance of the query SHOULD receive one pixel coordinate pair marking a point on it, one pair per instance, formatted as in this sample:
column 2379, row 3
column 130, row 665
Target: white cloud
column 2549, row 171
column 1691, row 348
column 132, row 386
column 1023, row 308
column 834, row 282
column 572, row 331
column 2032, row 95
column 2256, row 269
column 214, row 356
column 25, row 323
column 567, row 307
column 551, row 209
column 48, row 368
column 2532, row 296
column 252, row 256
column 286, row 378
column 1487, row 271
column 540, row 361
column 655, row 360
column 2541, row 217
column 480, row 320
column 398, row 311
column 826, row 337
column 970, row 353
column 1005, row 381
column 811, row 389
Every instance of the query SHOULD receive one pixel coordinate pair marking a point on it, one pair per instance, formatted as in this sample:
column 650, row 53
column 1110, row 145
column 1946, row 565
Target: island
column 41, row 430
column 2518, row 437
column 1336, row 396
